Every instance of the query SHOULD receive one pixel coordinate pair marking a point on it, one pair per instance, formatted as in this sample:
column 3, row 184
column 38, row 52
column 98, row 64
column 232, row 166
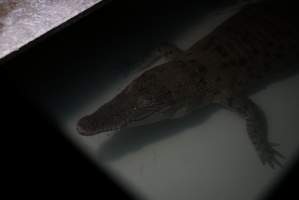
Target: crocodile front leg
column 256, row 128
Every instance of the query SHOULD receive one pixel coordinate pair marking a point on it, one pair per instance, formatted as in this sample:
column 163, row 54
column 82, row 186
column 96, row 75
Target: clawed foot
column 269, row 155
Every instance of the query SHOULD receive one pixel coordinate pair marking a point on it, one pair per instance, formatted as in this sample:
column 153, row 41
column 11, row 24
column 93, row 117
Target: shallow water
column 204, row 155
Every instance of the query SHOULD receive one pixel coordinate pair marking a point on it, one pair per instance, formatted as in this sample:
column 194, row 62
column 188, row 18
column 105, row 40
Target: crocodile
column 253, row 47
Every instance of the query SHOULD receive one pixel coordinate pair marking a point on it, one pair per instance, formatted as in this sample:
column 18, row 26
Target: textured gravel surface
column 21, row 21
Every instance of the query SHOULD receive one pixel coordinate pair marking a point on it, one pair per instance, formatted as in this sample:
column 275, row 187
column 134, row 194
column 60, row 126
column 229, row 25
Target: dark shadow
column 99, row 49
column 132, row 139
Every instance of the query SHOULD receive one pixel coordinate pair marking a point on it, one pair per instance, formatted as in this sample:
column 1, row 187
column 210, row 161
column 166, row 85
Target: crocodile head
column 143, row 101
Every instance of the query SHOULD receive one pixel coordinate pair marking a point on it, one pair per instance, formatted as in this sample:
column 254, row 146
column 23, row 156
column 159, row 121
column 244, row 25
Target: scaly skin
column 223, row 68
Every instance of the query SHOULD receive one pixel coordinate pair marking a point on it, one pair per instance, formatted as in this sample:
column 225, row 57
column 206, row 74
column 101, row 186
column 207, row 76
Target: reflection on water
column 207, row 149
column 205, row 155
column 129, row 140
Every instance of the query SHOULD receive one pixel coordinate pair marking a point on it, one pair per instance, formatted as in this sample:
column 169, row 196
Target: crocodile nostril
column 83, row 126
column 81, row 130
